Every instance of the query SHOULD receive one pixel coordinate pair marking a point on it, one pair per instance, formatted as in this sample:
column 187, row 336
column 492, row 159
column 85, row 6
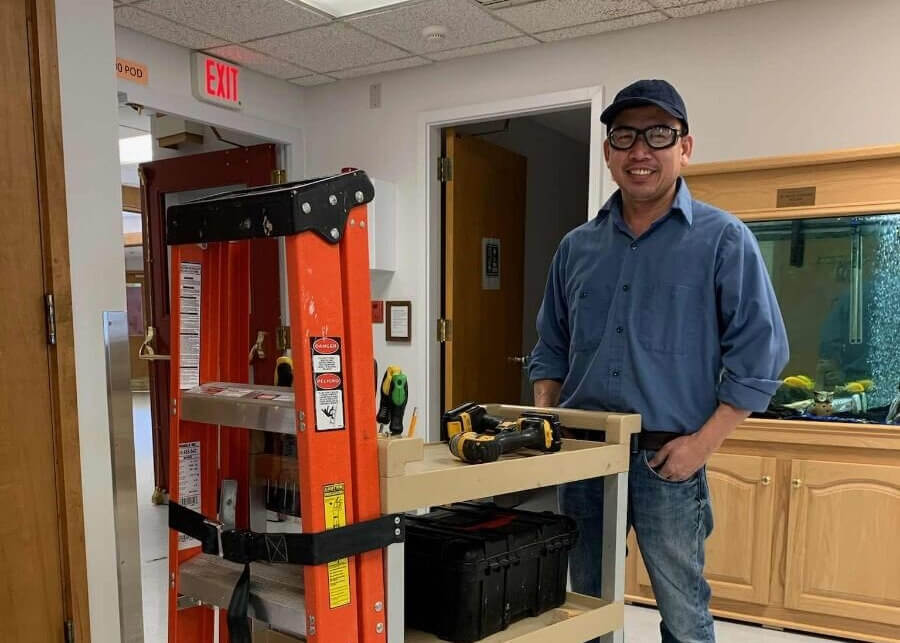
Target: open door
column 484, row 233
column 176, row 180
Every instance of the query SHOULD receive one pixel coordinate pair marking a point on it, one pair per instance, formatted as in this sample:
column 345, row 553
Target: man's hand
column 682, row 457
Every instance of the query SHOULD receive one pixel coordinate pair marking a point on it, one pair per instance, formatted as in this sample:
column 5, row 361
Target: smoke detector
column 434, row 33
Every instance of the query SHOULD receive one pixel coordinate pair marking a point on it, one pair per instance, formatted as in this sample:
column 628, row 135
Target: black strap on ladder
column 245, row 546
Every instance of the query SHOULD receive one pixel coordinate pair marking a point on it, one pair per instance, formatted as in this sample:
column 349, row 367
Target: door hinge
column 444, row 330
column 70, row 631
column 279, row 176
column 445, row 169
column 50, row 310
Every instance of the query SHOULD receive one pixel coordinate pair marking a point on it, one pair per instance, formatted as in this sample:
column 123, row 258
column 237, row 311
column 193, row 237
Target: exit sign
column 216, row 81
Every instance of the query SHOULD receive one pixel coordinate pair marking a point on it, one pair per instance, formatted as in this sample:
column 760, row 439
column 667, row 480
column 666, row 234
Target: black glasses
column 657, row 137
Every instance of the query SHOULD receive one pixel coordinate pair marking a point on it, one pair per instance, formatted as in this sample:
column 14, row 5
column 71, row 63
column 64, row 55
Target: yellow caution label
column 338, row 570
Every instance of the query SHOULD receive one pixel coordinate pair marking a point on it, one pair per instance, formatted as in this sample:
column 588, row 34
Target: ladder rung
column 264, row 408
column 276, row 591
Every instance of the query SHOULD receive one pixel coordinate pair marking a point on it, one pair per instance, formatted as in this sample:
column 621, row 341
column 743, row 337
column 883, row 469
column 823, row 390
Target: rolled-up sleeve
column 550, row 356
column 753, row 338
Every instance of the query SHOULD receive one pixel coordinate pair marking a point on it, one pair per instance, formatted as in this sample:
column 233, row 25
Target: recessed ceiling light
column 341, row 8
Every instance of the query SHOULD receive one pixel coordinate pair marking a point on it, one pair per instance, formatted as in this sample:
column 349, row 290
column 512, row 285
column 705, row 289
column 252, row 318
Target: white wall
column 785, row 77
column 93, row 200
column 272, row 108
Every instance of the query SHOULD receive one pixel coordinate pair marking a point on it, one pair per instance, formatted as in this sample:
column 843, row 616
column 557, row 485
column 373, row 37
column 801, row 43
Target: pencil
column 412, row 422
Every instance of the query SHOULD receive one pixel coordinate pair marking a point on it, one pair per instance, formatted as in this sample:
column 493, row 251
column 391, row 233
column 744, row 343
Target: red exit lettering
column 221, row 80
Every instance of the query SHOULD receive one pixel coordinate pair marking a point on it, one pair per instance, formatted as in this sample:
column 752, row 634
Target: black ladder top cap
column 320, row 205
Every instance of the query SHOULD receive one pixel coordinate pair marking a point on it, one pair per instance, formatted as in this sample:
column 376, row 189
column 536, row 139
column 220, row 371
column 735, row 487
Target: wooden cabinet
column 843, row 555
column 806, row 523
column 739, row 551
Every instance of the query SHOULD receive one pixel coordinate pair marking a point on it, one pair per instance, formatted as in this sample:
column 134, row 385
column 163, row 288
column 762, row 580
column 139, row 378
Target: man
column 662, row 306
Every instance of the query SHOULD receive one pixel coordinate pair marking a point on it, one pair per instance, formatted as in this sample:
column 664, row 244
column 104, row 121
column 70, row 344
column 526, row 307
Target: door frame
column 429, row 126
column 54, row 221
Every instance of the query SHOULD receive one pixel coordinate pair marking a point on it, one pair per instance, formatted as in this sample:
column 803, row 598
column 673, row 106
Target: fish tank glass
column 838, row 284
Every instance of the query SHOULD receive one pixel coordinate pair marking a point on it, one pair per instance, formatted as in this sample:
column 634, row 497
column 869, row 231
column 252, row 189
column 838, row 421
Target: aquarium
column 838, row 284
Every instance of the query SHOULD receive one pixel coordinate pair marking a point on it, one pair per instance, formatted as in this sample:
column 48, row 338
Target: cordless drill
column 468, row 417
column 539, row 431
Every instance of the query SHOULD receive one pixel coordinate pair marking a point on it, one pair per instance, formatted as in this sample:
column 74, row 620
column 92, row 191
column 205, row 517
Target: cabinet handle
column 796, row 482
column 766, row 481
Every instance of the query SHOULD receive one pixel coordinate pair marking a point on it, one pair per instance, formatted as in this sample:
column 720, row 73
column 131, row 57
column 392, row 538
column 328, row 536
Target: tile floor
column 642, row 624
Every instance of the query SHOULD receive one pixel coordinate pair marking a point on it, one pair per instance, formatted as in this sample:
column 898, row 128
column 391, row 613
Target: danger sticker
column 328, row 382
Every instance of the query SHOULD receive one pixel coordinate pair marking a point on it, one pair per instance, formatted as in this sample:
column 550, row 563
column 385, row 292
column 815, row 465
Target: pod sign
column 328, row 382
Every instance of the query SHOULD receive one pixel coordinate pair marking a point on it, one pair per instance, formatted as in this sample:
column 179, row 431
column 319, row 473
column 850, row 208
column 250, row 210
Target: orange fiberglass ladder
column 216, row 557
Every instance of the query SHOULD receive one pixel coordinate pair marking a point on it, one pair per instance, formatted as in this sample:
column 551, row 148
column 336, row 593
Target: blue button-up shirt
column 667, row 324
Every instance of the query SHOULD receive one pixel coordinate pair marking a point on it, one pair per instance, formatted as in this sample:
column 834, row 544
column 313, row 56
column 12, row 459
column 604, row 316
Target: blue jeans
column 672, row 521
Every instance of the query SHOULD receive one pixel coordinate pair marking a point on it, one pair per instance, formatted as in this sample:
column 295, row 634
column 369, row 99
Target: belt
column 244, row 546
column 655, row 440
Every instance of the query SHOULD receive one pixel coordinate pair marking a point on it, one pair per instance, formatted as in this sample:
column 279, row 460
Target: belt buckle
column 218, row 527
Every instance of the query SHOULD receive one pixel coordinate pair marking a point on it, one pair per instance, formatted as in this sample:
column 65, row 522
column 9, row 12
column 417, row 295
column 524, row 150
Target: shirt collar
column 683, row 203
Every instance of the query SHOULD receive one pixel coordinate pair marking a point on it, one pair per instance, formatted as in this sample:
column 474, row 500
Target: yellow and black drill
column 539, row 431
column 468, row 417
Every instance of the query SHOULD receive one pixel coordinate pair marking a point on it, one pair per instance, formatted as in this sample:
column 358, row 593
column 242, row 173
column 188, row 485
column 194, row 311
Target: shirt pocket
column 589, row 315
column 670, row 316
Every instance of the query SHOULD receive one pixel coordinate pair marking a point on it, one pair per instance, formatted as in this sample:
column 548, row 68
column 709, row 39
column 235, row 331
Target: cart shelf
column 415, row 475
column 580, row 618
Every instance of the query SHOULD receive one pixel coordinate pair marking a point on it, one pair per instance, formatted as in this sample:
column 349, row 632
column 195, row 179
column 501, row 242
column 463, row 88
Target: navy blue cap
column 647, row 92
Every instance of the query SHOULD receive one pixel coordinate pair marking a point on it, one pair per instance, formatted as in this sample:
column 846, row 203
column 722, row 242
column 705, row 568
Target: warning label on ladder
column 189, row 486
column 328, row 382
column 338, row 570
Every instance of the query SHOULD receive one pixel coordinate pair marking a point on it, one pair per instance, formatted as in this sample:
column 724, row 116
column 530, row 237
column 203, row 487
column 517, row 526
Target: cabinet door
column 739, row 551
column 843, row 557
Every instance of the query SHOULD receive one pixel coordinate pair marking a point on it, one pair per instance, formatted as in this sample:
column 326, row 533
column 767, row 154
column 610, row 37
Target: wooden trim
column 832, row 434
column 790, row 619
column 779, row 162
column 838, row 210
column 54, row 222
column 131, row 198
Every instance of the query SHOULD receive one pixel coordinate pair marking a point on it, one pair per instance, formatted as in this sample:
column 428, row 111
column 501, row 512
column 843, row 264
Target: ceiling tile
column 312, row 81
column 466, row 25
column 556, row 14
column 602, row 27
column 512, row 43
column 257, row 61
column 391, row 65
column 238, row 20
column 709, row 7
column 158, row 27
column 335, row 46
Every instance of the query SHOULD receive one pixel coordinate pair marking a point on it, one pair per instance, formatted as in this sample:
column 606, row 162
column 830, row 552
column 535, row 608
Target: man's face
column 642, row 172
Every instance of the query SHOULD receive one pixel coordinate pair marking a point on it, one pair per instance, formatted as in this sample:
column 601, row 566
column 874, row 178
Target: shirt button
column 625, row 287
column 619, row 329
column 634, row 246
column 615, row 373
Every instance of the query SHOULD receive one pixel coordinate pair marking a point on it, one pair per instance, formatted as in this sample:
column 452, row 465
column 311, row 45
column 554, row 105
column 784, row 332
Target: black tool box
column 474, row 568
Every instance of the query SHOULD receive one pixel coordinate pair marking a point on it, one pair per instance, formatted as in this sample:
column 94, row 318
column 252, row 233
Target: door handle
column 146, row 352
column 257, row 349
column 522, row 360
column 766, row 481
column 796, row 483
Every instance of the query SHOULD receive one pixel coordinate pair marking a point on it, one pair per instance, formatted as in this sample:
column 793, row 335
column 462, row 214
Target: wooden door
column 31, row 545
column 161, row 182
column 739, row 551
column 842, row 555
column 484, row 236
